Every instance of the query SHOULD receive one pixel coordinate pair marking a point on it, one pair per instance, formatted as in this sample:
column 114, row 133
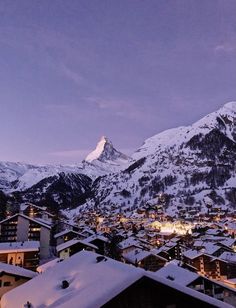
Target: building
column 197, row 282
column 67, row 235
column 145, row 259
column 36, row 212
column 21, row 228
column 23, row 254
column 13, row 276
column 100, row 241
column 207, row 265
column 73, row 246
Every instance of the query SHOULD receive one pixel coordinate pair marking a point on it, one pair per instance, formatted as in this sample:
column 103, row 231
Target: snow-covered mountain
column 103, row 160
column 107, row 158
column 60, row 183
column 185, row 163
column 62, row 190
column 19, row 176
column 188, row 165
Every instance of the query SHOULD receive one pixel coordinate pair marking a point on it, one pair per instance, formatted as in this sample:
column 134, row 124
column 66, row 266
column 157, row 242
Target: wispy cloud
column 82, row 153
column 119, row 107
column 225, row 48
column 73, row 75
column 76, row 154
column 49, row 48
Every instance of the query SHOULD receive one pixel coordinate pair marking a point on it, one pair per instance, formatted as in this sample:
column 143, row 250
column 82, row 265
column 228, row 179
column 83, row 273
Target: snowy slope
column 184, row 163
column 223, row 119
column 103, row 160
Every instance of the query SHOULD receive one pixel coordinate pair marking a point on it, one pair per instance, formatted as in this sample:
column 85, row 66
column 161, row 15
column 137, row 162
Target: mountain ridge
column 195, row 161
column 188, row 162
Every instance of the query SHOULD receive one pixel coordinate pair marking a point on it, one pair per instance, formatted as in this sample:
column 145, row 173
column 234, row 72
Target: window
column 7, row 284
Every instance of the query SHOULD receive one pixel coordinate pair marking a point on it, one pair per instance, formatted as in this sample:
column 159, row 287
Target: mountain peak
column 100, row 148
column 230, row 106
column 104, row 152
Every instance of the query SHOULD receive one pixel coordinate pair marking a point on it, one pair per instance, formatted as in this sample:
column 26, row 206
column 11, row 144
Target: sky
column 73, row 71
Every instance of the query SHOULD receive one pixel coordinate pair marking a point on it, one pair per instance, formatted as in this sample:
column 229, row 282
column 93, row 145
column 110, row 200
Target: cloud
column 72, row 75
column 76, row 154
column 225, row 48
column 80, row 154
column 49, row 48
column 119, row 107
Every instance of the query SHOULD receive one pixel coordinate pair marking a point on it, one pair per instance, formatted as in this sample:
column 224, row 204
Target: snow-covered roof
column 177, row 274
column 24, row 206
column 228, row 256
column 211, row 249
column 229, row 242
column 73, row 242
column 96, row 237
column 192, row 254
column 64, row 232
column 130, row 241
column 19, row 246
column 91, row 284
column 16, row 270
column 136, row 255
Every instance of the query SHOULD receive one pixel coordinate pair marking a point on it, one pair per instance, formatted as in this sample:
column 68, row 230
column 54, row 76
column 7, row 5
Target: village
column 194, row 257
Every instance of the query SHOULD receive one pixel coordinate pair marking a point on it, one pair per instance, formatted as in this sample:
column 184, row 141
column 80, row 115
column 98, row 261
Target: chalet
column 100, row 241
column 129, row 244
column 171, row 250
column 21, row 228
column 13, row 276
column 73, row 246
column 198, row 283
column 91, row 280
column 144, row 259
column 67, row 235
column 214, row 249
column 37, row 212
column 230, row 258
column 207, row 265
column 24, row 254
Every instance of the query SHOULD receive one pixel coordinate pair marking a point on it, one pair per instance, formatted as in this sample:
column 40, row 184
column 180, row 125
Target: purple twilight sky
column 72, row 71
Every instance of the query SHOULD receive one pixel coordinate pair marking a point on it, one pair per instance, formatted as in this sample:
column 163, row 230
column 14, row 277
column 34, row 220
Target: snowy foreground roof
column 44, row 267
column 91, row 284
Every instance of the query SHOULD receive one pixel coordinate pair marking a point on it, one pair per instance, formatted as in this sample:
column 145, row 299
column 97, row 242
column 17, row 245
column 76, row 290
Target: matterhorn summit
column 105, row 152
column 106, row 157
